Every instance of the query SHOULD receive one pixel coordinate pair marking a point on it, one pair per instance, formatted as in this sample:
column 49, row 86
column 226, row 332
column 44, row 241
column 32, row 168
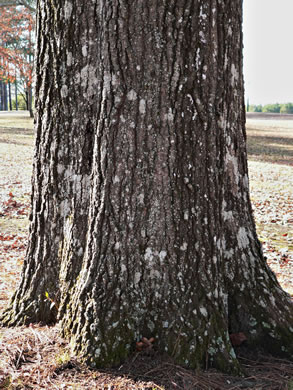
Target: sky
column 268, row 51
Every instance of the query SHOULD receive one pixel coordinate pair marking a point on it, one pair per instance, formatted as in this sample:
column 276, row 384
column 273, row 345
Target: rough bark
column 161, row 242
column 66, row 115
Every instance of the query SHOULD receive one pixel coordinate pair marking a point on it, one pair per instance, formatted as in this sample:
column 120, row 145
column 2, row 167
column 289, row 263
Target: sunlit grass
column 16, row 119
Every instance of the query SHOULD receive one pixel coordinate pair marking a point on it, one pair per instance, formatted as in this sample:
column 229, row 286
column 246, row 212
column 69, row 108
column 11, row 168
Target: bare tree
column 141, row 221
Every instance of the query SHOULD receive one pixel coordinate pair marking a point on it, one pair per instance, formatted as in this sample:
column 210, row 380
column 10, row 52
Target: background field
column 270, row 147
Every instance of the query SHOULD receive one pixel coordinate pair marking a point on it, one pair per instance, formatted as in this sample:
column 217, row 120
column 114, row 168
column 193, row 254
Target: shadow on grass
column 271, row 149
column 16, row 136
column 17, row 121
column 11, row 131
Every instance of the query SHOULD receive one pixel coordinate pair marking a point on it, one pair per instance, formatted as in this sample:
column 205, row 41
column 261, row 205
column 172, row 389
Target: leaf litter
column 36, row 357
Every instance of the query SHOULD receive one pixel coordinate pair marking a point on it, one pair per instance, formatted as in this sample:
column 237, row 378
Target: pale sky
column 268, row 51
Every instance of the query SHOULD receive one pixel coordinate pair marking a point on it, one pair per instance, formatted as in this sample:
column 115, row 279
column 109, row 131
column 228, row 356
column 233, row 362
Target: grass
column 16, row 151
column 270, row 150
column 270, row 141
column 16, row 119
column 63, row 357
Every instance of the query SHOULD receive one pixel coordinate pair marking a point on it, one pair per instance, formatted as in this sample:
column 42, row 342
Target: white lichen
column 84, row 50
column 242, row 238
column 140, row 198
column 137, row 277
column 132, row 95
column 169, row 116
column 88, row 79
column 60, row 169
column 234, row 75
column 142, row 106
column 116, row 179
column 184, row 246
column 148, row 254
column 202, row 37
column 97, row 353
column 67, row 9
column 162, row 255
column 64, row 91
column 69, row 59
column 203, row 311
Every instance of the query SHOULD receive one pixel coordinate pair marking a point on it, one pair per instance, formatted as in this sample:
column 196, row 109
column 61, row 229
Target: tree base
column 24, row 312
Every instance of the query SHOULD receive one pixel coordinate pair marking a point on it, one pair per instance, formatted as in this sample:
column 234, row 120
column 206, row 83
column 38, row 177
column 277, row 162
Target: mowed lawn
column 270, row 147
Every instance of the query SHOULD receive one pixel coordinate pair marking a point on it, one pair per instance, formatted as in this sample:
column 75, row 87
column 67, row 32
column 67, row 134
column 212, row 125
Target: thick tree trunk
column 66, row 117
column 161, row 242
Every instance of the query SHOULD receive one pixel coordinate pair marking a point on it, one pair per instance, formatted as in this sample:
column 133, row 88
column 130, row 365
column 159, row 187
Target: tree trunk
column 5, row 96
column 1, row 96
column 9, row 96
column 160, row 241
column 16, row 94
column 30, row 101
column 67, row 112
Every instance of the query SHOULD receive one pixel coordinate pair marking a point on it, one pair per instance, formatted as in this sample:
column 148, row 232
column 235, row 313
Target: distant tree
column 258, row 108
column 274, row 108
column 21, row 103
column 255, row 108
column 287, row 108
column 17, row 48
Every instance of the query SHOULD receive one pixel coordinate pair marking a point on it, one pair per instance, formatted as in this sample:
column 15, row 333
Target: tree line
column 17, row 26
column 285, row 108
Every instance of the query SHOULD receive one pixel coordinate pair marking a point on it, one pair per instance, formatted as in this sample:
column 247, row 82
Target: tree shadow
column 275, row 149
column 161, row 372
column 11, row 131
column 16, row 136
